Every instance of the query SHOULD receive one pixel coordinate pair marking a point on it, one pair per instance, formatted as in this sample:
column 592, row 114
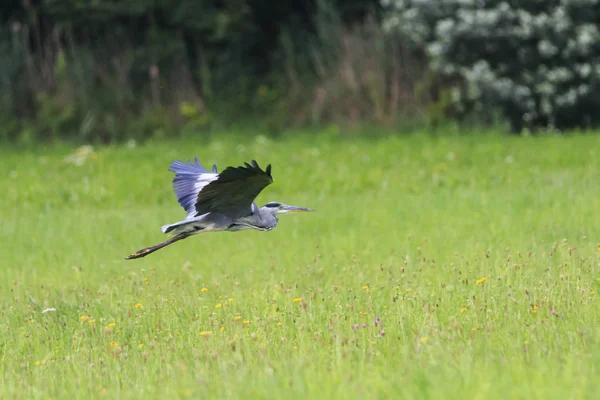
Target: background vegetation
column 109, row 70
column 106, row 70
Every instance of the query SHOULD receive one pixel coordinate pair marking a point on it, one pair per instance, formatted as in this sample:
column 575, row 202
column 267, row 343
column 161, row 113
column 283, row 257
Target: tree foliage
column 536, row 61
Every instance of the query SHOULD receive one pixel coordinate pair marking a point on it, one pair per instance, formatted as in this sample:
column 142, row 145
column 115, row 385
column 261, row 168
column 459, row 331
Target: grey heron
column 220, row 201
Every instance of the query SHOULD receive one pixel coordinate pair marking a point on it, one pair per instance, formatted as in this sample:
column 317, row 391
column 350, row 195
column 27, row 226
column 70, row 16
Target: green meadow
column 455, row 267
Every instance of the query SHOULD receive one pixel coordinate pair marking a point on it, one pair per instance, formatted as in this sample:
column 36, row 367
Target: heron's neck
column 267, row 218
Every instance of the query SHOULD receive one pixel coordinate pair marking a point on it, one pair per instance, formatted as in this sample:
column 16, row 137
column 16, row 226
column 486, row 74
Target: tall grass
column 456, row 267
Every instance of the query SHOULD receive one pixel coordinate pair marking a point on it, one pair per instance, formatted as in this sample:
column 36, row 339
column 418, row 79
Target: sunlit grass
column 434, row 268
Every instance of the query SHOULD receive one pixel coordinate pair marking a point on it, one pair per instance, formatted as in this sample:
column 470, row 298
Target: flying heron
column 220, row 201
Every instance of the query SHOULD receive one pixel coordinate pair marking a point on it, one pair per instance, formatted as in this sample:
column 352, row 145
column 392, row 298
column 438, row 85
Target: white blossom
column 548, row 60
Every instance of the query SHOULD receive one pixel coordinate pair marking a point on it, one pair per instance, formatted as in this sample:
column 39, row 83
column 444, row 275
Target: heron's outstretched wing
column 234, row 190
column 189, row 180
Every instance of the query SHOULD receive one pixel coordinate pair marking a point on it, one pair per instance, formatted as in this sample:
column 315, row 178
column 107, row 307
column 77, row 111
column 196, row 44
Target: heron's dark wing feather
column 234, row 190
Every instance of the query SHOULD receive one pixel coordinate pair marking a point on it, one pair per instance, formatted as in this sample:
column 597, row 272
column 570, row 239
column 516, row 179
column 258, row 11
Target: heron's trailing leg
column 144, row 252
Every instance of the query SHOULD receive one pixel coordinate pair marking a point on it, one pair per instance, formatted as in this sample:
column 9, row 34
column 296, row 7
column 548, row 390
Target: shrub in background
column 536, row 61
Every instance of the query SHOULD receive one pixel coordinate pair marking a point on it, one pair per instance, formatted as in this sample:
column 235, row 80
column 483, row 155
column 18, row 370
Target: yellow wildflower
column 146, row 281
column 462, row 310
column 138, row 305
column 365, row 287
column 219, row 305
column 424, row 339
column 480, row 281
column 37, row 363
column 111, row 325
column 141, row 345
column 593, row 292
column 279, row 324
column 246, row 322
column 91, row 321
column 204, row 290
column 534, row 309
column 118, row 331
column 238, row 317
column 205, row 333
column 114, row 344
column 222, row 329
column 373, row 342
column 84, row 318
column 297, row 300
column 230, row 300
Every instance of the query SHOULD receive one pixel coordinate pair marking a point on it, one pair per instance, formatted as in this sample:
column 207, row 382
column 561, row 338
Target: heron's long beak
column 294, row 209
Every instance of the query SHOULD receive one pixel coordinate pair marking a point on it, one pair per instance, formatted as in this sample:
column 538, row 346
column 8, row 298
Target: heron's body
column 220, row 202
column 214, row 221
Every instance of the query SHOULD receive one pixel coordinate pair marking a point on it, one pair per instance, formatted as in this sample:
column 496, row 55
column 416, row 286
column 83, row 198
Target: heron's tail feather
column 168, row 228
column 145, row 251
column 187, row 225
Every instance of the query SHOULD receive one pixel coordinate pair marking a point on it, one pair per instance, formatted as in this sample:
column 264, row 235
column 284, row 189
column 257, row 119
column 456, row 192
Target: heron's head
column 280, row 208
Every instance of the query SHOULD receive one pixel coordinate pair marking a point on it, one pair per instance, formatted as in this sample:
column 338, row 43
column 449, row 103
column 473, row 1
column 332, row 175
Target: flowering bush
column 537, row 61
